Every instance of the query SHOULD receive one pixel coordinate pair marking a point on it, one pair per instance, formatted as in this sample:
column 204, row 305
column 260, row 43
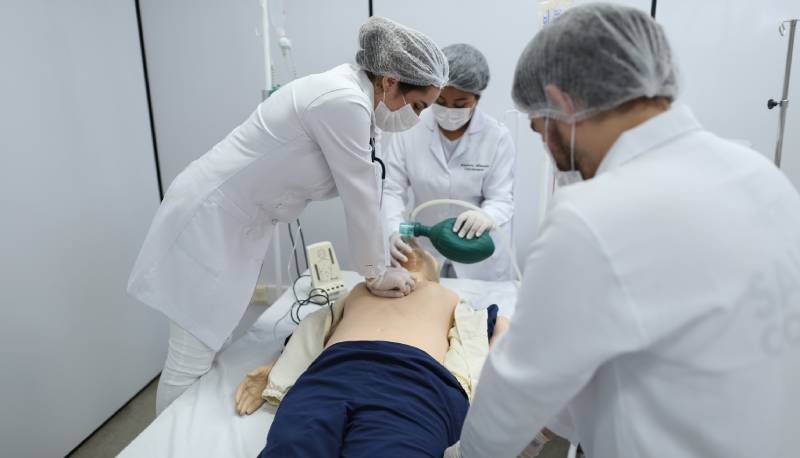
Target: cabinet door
column 78, row 187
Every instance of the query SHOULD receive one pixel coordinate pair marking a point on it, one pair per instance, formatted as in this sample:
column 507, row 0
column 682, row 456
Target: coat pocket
column 215, row 237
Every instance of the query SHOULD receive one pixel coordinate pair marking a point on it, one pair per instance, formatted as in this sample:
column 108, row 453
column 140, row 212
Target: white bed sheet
column 203, row 423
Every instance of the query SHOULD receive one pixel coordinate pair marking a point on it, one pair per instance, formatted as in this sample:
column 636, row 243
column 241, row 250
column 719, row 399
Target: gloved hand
column 248, row 395
column 453, row 451
column 472, row 223
column 399, row 249
column 395, row 282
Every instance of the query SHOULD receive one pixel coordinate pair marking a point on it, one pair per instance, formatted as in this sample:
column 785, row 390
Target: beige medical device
column 324, row 268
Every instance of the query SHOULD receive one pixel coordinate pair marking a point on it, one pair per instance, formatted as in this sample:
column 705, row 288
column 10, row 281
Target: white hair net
column 601, row 55
column 469, row 71
column 387, row 48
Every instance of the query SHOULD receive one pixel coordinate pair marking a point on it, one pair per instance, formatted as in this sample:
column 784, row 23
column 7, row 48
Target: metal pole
column 266, row 49
column 784, row 102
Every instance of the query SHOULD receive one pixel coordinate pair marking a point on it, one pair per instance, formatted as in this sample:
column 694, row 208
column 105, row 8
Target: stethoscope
column 375, row 159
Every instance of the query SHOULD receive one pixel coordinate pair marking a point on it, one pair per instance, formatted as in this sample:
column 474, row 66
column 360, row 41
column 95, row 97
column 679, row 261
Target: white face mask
column 395, row 121
column 571, row 176
column 451, row 118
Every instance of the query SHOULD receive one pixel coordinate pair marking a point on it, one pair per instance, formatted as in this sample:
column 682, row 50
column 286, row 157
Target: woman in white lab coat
column 456, row 152
column 311, row 140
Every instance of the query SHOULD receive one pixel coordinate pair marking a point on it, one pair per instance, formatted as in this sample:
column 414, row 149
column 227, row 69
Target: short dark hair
column 405, row 88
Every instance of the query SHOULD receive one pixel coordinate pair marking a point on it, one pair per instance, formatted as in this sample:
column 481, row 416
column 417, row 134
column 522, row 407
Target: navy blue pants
column 370, row 399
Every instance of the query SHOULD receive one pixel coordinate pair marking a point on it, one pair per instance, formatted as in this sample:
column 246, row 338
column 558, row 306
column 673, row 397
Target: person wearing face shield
column 458, row 152
column 310, row 140
column 659, row 313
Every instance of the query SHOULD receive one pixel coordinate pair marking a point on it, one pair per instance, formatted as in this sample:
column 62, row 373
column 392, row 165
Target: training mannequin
column 382, row 349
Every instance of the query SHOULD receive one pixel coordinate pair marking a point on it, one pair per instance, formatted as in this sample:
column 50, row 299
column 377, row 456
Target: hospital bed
column 202, row 422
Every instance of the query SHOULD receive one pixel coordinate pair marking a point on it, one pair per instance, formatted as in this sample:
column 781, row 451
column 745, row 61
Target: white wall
column 206, row 40
column 500, row 34
column 324, row 34
column 730, row 55
column 205, row 69
column 205, row 63
column 732, row 59
column 78, row 189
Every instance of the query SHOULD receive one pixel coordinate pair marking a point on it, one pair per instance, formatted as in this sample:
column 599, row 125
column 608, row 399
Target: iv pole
column 276, row 246
column 784, row 102
column 266, row 49
column 274, row 15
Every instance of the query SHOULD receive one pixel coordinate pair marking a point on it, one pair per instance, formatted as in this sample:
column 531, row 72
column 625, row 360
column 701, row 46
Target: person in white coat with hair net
column 457, row 151
column 659, row 314
column 311, row 140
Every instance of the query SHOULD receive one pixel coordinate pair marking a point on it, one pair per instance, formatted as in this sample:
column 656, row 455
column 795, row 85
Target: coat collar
column 676, row 121
column 477, row 123
column 365, row 84
column 369, row 90
column 435, row 142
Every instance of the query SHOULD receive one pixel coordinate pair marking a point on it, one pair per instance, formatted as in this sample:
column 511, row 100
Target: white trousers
column 188, row 359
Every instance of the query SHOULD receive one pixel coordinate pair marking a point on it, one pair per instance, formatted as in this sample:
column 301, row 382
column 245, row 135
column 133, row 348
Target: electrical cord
column 294, row 252
column 316, row 296
column 303, row 242
column 289, row 275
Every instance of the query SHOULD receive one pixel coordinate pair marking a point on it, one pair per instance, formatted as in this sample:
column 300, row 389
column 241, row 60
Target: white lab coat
column 480, row 171
column 308, row 141
column 660, row 309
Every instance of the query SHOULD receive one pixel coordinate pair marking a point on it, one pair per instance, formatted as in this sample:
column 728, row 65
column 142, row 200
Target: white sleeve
column 498, row 185
column 572, row 316
column 340, row 124
column 395, row 193
column 307, row 342
column 563, row 426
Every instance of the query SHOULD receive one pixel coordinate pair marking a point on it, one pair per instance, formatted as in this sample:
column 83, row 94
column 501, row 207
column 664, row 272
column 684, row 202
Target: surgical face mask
column 451, row 118
column 395, row 121
column 564, row 177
